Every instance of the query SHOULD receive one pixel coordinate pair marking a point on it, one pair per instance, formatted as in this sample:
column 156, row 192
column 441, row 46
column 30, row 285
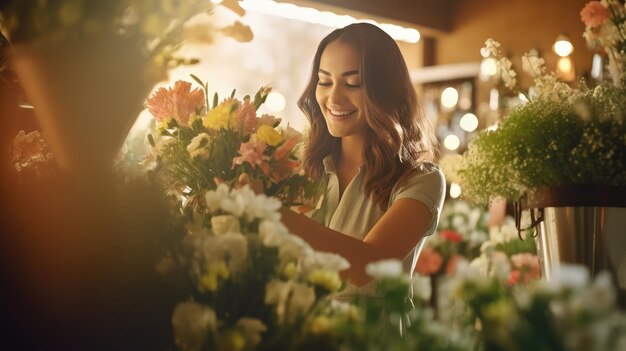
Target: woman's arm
column 396, row 233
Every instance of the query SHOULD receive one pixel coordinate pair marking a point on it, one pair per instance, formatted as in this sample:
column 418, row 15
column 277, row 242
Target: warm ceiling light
column 275, row 102
column 449, row 97
column 451, row 142
column 469, row 122
column 563, row 46
column 488, row 68
column 327, row 18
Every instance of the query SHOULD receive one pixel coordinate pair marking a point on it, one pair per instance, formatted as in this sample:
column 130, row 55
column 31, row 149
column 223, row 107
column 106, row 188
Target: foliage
column 562, row 136
column 157, row 28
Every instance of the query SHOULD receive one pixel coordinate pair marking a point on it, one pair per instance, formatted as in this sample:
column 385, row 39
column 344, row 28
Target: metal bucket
column 581, row 225
column 592, row 236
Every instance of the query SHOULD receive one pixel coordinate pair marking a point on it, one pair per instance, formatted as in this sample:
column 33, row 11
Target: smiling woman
column 339, row 92
column 372, row 152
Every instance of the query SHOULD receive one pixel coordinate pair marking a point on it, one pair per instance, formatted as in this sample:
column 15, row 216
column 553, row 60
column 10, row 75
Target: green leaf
column 194, row 77
column 215, row 99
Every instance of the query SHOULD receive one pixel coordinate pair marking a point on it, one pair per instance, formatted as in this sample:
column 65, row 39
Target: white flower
column 477, row 237
column 458, row 223
column 292, row 299
column 507, row 73
column 252, row 329
column 474, row 217
column 506, row 232
column 501, row 268
column 233, row 248
column 200, row 146
column 237, row 200
column 390, row 268
column 291, row 248
column 243, row 202
column 571, row 276
column 192, row 323
column 215, row 197
column 493, row 47
column 533, row 64
column 271, row 232
column 324, row 260
column 225, row 224
column 479, row 267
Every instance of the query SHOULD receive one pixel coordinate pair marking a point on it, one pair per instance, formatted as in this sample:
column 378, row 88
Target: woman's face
column 339, row 92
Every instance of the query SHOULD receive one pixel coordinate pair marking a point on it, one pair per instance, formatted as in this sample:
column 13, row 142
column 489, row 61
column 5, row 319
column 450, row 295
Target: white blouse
column 355, row 214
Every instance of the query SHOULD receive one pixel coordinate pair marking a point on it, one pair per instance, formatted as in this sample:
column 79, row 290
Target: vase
column 87, row 95
column 581, row 224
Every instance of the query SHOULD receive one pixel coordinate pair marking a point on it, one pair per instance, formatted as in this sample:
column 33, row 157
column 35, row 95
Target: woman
column 372, row 150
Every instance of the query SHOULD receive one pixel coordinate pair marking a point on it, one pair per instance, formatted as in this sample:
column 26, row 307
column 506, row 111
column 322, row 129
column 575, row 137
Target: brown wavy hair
column 399, row 136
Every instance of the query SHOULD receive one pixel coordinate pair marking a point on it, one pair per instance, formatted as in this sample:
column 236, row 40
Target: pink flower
column 268, row 120
column 178, row 102
column 451, row 235
column 594, row 14
column 429, row 262
column 514, row 278
column 252, row 152
column 246, row 118
column 525, row 268
column 284, row 170
column 284, row 150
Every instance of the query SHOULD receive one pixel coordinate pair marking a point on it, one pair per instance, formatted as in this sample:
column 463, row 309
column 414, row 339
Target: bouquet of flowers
column 201, row 146
column 462, row 230
column 254, row 284
column 569, row 313
column 562, row 136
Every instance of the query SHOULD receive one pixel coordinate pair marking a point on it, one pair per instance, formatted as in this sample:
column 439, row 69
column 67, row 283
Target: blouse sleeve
column 428, row 186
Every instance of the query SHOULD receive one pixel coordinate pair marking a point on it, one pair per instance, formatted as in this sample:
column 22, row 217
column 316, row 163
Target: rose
column 594, row 14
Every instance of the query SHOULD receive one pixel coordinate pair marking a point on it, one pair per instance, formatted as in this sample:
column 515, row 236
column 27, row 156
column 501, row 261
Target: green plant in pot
column 561, row 155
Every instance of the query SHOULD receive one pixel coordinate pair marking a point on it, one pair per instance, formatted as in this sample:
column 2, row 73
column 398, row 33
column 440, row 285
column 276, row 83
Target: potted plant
column 562, row 155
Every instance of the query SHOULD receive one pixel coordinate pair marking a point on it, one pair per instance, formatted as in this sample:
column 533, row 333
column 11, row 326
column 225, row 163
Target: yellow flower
column 216, row 271
column 320, row 325
column 290, row 270
column 325, row 278
column 219, row 117
column 269, row 135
